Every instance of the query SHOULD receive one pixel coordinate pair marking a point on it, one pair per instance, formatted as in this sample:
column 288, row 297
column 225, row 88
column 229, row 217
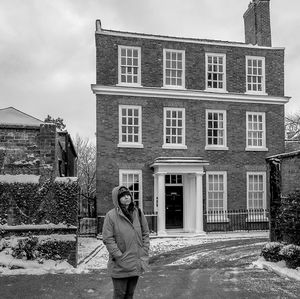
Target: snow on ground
column 92, row 255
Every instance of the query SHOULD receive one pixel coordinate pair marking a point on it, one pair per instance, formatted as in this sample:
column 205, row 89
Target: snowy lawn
column 92, row 255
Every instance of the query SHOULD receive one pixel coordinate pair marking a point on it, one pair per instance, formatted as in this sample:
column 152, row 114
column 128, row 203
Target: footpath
column 219, row 269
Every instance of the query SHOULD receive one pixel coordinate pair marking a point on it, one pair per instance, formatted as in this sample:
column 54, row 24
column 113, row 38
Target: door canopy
column 179, row 164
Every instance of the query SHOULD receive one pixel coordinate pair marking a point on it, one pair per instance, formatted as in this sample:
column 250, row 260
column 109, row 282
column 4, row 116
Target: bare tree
column 86, row 172
column 292, row 126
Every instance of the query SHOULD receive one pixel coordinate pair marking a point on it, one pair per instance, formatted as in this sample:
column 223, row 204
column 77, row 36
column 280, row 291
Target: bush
column 271, row 251
column 26, row 248
column 31, row 248
column 291, row 254
column 56, row 249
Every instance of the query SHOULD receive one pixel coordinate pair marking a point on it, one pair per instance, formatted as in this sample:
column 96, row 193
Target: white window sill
column 257, row 218
column 173, row 87
column 216, row 148
column 256, row 149
column 217, row 219
column 174, row 146
column 261, row 93
column 216, row 90
column 129, row 84
column 131, row 145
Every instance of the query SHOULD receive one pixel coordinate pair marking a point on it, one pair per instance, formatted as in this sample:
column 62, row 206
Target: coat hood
column 115, row 193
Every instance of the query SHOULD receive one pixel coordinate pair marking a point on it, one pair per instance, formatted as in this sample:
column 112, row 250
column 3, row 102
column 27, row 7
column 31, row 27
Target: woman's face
column 125, row 200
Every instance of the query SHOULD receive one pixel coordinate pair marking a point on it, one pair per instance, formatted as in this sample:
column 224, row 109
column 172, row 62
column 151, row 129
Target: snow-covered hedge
column 275, row 251
column 41, row 248
column 50, row 201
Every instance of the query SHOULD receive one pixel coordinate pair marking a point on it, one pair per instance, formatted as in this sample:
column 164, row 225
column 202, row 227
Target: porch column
column 161, row 216
column 199, row 203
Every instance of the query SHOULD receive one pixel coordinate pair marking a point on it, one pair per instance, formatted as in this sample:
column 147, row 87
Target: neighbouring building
column 30, row 146
column 187, row 123
column 284, row 177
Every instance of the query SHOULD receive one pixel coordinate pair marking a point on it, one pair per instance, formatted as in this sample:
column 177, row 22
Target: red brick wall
column 236, row 161
column 27, row 150
column 257, row 23
column 152, row 63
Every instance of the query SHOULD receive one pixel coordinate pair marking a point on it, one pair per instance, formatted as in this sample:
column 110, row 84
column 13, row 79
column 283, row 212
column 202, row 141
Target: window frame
column 257, row 216
column 140, row 177
column 174, row 145
column 263, row 147
column 165, row 85
column 120, row 47
column 213, row 146
column 263, row 83
column 224, row 81
column 215, row 216
column 138, row 144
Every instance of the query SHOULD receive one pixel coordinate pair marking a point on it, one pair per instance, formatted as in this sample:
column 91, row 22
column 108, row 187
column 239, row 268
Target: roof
column 13, row 116
column 100, row 30
column 284, row 155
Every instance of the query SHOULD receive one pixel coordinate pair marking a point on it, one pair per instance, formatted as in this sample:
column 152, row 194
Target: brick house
column 30, row 146
column 187, row 123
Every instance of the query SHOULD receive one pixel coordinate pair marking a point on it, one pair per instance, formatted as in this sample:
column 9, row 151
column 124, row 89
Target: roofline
column 17, row 126
column 100, row 30
column 284, row 155
column 22, row 113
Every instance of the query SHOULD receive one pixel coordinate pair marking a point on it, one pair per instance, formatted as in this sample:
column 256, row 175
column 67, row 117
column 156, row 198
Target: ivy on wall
column 289, row 218
column 54, row 202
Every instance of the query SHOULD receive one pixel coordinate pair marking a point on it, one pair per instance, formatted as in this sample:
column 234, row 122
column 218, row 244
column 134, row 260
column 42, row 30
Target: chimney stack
column 257, row 23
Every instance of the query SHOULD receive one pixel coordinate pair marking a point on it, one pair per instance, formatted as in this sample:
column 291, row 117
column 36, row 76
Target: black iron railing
column 236, row 220
column 150, row 216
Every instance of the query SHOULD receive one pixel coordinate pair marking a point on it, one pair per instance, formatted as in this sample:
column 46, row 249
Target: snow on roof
column 19, row 178
column 12, row 116
column 66, row 179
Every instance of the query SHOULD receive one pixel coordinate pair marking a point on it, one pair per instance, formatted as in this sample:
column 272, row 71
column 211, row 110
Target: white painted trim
column 198, row 95
column 139, row 173
column 120, row 47
column 264, row 142
column 224, row 89
column 174, row 145
column 216, row 148
column 182, row 86
column 183, row 40
column 224, row 173
column 256, row 149
column 263, row 173
column 130, row 144
column 263, row 92
column 212, row 146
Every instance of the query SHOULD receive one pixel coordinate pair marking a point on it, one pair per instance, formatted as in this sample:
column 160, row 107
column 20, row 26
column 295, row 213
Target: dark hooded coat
column 127, row 243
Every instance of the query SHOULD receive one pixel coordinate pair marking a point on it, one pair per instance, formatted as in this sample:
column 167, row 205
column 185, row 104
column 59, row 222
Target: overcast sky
column 47, row 47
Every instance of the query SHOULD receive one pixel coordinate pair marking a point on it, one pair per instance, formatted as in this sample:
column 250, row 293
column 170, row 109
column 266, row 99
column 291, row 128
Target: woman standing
column 126, row 237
